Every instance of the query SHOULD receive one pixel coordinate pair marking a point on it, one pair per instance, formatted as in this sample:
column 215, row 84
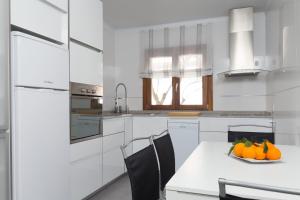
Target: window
column 191, row 93
column 176, row 67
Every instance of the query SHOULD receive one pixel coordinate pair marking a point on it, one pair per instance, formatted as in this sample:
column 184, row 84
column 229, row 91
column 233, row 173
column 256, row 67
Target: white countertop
column 209, row 162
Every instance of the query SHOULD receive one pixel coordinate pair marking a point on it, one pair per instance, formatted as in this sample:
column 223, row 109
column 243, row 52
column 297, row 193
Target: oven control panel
column 86, row 90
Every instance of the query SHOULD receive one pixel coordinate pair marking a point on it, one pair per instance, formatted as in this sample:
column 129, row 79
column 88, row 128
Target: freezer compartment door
column 41, row 144
column 39, row 63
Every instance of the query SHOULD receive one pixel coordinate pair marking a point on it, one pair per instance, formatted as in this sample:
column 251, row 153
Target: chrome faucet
column 118, row 108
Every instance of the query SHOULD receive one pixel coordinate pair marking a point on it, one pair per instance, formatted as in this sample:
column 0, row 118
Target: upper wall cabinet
column 86, row 22
column 48, row 18
column 86, row 65
column 283, row 29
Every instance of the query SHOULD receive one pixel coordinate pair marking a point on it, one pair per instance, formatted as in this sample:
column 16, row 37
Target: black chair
column 252, row 136
column 224, row 196
column 143, row 172
column 166, row 156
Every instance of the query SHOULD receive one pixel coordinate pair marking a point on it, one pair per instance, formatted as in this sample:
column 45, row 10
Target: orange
column 260, row 154
column 238, row 149
column 249, row 152
column 270, row 145
column 273, row 154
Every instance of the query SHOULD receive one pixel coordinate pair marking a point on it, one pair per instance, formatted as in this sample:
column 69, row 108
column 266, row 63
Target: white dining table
column 197, row 178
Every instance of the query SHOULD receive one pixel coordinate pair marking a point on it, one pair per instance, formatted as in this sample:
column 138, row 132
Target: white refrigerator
column 40, row 119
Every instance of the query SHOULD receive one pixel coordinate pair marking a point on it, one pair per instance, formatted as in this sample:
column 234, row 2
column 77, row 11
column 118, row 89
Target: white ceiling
column 136, row 13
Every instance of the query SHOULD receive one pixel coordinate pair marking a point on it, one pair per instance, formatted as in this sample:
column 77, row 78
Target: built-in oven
column 86, row 112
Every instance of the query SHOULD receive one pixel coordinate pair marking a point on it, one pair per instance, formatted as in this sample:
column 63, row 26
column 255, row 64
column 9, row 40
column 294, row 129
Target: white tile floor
column 120, row 190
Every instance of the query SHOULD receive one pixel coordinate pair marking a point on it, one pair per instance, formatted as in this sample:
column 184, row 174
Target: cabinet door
column 289, row 34
column 113, row 162
column 41, row 147
column 86, row 168
column 113, row 126
column 145, row 127
column 48, row 18
column 213, row 137
column 85, row 177
column 86, row 65
column 86, row 22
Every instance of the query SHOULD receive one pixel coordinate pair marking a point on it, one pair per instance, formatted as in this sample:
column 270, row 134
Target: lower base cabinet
column 113, row 162
column 213, row 136
column 86, row 168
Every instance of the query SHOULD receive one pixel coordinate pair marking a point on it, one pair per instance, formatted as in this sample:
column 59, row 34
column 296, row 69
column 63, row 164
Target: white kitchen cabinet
column 86, row 22
column 289, row 34
column 214, row 124
column 86, row 168
column 86, row 65
column 113, row 162
column 213, row 136
column 48, row 18
column 113, row 126
column 214, row 129
column 145, row 127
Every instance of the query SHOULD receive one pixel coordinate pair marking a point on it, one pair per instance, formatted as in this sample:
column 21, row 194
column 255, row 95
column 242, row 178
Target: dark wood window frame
column 207, row 96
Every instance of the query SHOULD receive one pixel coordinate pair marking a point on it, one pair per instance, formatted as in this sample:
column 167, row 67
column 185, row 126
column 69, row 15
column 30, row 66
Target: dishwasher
column 185, row 138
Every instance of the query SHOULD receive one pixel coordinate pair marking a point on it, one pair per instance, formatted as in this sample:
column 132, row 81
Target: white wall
column 283, row 19
column 127, row 64
column 109, row 70
column 238, row 94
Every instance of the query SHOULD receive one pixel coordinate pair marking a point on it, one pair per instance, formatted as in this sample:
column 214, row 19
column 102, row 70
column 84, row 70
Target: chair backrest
column 252, row 136
column 143, row 172
column 225, row 196
column 165, row 152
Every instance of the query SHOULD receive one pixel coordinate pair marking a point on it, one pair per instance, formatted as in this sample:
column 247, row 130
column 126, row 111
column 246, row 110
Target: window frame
column 207, row 95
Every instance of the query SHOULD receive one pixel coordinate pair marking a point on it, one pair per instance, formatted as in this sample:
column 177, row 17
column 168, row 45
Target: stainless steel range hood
column 241, row 47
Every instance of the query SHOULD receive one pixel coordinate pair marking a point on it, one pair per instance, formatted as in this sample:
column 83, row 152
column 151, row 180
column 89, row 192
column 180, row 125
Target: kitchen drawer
column 221, row 124
column 86, row 22
column 48, row 18
column 214, row 124
column 213, row 137
column 86, row 65
column 112, row 126
column 86, row 149
column 112, row 142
